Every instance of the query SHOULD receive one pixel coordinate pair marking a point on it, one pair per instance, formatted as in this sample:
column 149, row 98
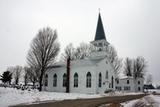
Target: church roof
column 100, row 34
column 85, row 62
column 78, row 63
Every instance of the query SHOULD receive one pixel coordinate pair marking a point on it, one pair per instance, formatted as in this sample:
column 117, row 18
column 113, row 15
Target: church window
column 100, row 44
column 100, row 80
column 55, row 80
column 138, row 82
column 64, row 80
column 112, row 82
column 46, row 80
column 106, row 74
column 88, row 81
column 126, row 88
column 75, row 80
column 95, row 44
column 117, row 81
column 100, row 49
column 139, row 88
column 118, row 88
column 127, row 81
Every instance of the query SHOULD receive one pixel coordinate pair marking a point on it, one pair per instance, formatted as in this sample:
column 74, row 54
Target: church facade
column 92, row 75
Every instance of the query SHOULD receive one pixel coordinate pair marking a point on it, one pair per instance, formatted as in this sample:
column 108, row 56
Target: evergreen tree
column 6, row 77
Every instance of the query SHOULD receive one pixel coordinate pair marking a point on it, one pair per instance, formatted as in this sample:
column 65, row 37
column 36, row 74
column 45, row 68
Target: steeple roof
column 100, row 34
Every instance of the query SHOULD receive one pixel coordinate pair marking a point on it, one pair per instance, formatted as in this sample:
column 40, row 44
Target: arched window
column 75, row 80
column 64, row 80
column 117, row 81
column 106, row 74
column 54, row 80
column 112, row 84
column 46, row 80
column 88, row 81
column 100, row 80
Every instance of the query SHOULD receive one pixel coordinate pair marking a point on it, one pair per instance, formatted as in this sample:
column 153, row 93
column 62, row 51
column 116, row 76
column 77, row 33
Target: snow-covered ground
column 147, row 101
column 10, row 96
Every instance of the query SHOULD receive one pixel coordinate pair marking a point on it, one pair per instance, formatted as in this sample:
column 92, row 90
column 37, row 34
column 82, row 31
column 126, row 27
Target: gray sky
column 132, row 26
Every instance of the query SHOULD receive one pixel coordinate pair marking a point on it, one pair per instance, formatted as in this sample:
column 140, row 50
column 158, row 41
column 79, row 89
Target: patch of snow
column 147, row 101
column 10, row 96
column 154, row 90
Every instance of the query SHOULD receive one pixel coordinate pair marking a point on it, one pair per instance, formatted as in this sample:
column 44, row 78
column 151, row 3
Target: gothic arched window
column 106, row 74
column 112, row 82
column 100, row 80
column 88, row 81
column 75, row 80
column 64, row 80
column 55, row 80
column 46, row 80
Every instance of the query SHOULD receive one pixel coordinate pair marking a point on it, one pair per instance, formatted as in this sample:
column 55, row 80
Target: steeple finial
column 100, row 34
column 99, row 10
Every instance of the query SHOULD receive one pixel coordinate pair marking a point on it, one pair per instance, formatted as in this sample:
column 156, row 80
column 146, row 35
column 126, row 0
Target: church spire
column 100, row 34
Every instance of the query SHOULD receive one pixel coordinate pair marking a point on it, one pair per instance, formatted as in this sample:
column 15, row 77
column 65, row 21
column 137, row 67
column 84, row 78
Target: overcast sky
column 132, row 26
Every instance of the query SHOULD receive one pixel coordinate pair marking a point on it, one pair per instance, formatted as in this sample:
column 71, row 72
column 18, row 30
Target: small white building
column 94, row 74
column 129, row 84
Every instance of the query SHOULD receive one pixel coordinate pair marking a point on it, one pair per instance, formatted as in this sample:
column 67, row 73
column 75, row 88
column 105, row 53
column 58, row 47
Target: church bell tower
column 100, row 43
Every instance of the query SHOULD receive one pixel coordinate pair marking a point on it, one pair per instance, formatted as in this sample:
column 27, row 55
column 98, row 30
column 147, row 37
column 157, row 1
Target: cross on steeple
column 99, row 10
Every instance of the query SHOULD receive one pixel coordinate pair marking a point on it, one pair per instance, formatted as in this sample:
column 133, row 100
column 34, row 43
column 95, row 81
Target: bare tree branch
column 114, row 59
column 43, row 52
column 128, row 66
column 16, row 73
column 69, row 51
column 149, row 79
column 82, row 51
column 139, row 67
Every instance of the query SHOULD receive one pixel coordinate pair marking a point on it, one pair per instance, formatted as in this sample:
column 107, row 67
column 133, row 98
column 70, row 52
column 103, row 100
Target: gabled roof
column 85, row 62
column 100, row 34
column 78, row 63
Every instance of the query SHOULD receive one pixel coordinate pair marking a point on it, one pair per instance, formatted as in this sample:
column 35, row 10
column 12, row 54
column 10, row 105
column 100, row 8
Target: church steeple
column 100, row 43
column 100, row 34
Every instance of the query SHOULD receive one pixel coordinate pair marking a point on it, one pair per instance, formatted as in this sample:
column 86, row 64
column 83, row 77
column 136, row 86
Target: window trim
column 64, row 80
column 106, row 74
column 88, row 80
column 100, row 80
column 55, row 80
column 75, row 80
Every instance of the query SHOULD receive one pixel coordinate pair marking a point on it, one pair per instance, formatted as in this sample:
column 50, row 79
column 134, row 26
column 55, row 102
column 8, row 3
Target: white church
column 91, row 75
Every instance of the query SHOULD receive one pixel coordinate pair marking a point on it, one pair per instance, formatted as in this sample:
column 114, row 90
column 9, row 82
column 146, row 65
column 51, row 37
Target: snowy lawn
column 10, row 96
column 147, row 101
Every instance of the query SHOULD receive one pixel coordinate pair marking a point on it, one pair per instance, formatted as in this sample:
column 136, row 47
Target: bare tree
column 26, row 74
column 69, row 51
column 43, row 53
column 33, row 75
column 128, row 67
column 114, row 59
column 149, row 79
column 82, row 51
column 139, row 67
column 17, row 73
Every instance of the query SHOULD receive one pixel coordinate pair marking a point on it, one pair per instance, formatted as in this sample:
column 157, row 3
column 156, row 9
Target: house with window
column 129, row 84
column 92, row 75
